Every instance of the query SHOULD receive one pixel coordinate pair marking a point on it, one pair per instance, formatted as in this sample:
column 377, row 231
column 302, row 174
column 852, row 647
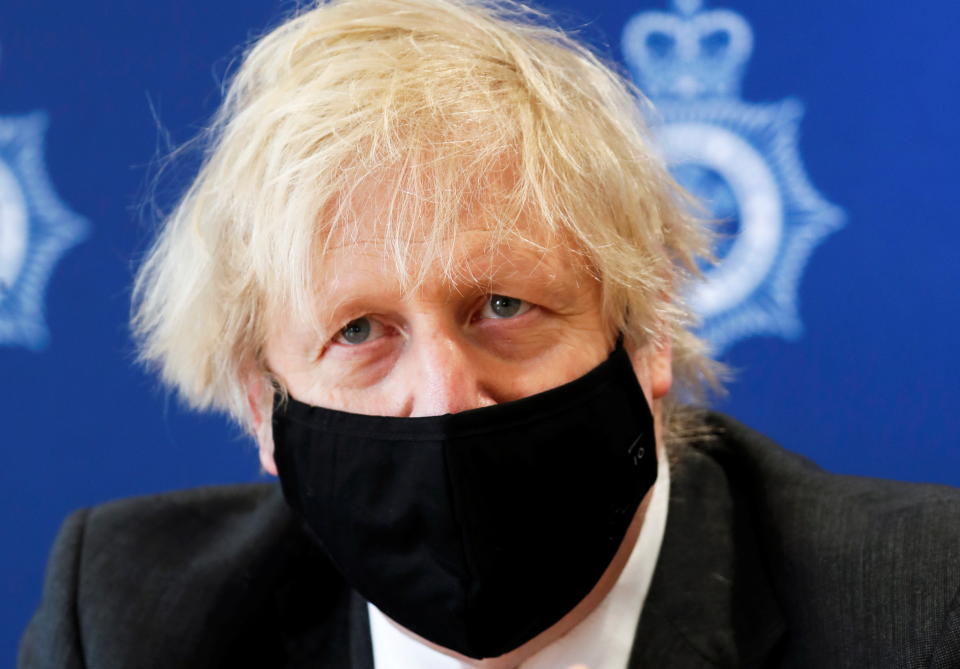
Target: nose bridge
column 447, row 378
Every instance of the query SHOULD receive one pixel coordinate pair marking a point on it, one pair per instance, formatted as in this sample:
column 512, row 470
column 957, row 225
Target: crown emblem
column 690, row 53
column 739, row 158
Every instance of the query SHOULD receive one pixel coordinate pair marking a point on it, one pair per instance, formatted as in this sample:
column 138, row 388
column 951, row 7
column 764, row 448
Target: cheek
column 568, row 358
column 344, row 379
column 381, row 399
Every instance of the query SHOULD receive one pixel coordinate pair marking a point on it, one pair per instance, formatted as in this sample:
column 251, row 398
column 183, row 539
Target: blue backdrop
column 859, row 373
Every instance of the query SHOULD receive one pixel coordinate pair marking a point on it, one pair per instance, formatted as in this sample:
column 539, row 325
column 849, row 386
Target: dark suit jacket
column 767, row 561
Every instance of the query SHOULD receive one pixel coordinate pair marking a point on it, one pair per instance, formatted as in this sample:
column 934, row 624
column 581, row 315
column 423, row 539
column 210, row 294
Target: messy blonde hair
column 458, row 98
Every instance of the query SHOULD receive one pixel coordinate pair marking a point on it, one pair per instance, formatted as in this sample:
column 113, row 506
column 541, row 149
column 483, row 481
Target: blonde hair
column 460, row 99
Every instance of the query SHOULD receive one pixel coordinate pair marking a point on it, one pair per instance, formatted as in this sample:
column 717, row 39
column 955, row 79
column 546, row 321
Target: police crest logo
column 738, row 158
column 35, row 230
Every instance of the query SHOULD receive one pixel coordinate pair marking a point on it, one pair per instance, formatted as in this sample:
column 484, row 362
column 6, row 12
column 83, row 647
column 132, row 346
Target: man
column 434, row 268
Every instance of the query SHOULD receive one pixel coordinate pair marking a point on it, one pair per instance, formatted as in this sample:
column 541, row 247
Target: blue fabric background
column 869, row 388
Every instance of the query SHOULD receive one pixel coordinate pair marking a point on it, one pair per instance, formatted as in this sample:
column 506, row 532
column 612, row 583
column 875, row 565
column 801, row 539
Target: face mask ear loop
column 279, row 392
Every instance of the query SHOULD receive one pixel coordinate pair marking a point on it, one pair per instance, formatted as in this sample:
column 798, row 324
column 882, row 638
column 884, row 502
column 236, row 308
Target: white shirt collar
column 602, row 640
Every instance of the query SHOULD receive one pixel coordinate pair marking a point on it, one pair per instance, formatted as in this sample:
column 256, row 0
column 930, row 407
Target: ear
column 661, row 369
column 653, row 365
column 260, row 405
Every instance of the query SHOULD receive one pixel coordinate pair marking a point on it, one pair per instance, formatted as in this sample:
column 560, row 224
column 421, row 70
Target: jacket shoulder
column 850, row 557
column 792, row 485
column 175, row 579
column 162, row 529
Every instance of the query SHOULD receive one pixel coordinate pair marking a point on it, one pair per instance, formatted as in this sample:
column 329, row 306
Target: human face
column 516, row 320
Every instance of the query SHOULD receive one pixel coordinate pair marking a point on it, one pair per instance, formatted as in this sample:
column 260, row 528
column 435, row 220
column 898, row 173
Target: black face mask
column 476, row 530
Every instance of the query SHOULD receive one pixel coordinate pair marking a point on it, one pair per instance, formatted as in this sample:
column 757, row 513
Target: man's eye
column 502, row 306
column 359, row 331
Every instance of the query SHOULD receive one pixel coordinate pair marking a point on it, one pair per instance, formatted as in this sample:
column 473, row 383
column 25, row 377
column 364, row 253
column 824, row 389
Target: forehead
column 418, row 229
column 390, row 246
column 473, row 259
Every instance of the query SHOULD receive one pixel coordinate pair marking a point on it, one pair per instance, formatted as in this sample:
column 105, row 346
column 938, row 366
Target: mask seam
column 461, row 535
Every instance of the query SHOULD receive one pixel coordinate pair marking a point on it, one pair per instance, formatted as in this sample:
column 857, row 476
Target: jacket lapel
column 710, row 603
column 322, row 622
column 312, row 612
column 361, row 649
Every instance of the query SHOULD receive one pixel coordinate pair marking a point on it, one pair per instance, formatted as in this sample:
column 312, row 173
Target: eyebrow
column 544, row 282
